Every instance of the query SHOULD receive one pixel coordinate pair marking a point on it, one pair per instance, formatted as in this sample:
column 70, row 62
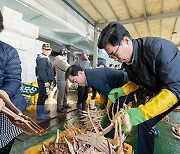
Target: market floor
column 164, row 144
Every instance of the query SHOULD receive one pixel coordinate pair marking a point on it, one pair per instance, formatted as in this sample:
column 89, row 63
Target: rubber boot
column 46, row 111
column 40, row 113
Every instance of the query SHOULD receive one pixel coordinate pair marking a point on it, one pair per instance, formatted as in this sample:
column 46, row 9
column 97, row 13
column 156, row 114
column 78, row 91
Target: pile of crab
column 75, row 141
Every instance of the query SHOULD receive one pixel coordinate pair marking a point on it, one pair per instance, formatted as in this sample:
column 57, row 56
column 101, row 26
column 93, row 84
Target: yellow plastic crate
column 35, row 149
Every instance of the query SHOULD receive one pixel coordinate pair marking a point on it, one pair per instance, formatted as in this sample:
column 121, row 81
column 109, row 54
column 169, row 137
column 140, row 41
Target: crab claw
column 21, row 121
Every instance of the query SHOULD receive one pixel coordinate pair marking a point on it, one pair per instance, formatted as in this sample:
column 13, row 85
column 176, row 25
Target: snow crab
column 20, row 120
column 97, row 139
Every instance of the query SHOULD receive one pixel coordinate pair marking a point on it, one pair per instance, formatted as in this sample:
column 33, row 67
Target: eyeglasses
column 113, row 54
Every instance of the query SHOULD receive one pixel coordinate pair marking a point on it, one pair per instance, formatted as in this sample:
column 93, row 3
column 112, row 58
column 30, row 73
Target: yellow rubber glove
column 157, row 105
column 129, row 88
column 122, row 91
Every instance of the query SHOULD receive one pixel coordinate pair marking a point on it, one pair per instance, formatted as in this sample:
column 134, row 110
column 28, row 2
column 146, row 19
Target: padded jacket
column 105, row 79
column 44, row 69
column 155, row 65
column 10, row 74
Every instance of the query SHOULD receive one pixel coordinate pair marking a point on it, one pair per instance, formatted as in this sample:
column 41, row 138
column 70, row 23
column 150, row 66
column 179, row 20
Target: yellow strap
column 158, row 104
column 129, row 88
column 109, row 103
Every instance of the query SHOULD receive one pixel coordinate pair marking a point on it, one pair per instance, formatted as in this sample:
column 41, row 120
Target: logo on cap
column 46, row 46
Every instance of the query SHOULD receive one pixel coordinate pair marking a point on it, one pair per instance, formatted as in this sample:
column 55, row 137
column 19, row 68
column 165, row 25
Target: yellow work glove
column 157, row 105
column 122, row 91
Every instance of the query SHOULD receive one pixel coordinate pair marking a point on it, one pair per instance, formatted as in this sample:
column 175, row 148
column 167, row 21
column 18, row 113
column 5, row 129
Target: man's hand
column 115, row 93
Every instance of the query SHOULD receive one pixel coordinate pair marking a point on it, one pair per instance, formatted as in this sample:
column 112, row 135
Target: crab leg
column 126, row 121
column 57, row 138
column 71, row 149
column 116, row 136
column 92, row 122
column 8, row 102
column 16, row 116
column 9, row 113
column 27, row 126
column 117, row 106
column 107, row 129
column 33, row 124
column 19, row 122
column 120, row 131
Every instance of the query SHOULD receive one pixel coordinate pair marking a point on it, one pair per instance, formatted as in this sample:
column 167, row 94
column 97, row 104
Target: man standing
column 83, row 91
column 154, row 64
column 45, row 75
column 61, row 66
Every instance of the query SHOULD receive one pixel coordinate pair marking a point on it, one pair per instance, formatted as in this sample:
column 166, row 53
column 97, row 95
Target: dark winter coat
column 105, row 79
column 44, row 69
column 10, row 74
column 155, row 65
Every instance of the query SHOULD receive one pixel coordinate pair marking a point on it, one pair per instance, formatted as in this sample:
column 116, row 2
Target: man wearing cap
column 61, row 66
column 45, row 75
column 83, row 91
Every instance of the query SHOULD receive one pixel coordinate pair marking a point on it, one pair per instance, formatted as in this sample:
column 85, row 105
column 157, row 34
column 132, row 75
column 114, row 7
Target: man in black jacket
column 45, row 75
column 83, row 91
column 154, row 64
column 102, row 80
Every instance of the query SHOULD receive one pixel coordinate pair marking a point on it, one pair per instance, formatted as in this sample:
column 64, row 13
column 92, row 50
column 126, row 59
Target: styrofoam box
column 27, row 43
column 11, row 13
column 10, row 38
column 29, row 30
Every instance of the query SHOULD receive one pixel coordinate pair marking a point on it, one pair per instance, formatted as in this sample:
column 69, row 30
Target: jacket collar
column 135, row 50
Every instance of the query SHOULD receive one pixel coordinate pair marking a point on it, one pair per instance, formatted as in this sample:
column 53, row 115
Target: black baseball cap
column 63, row 50
column 46, row 46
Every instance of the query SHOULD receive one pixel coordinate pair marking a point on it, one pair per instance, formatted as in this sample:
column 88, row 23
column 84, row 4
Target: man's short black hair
column 113, row 33
column 1, row 22
column 73, row 70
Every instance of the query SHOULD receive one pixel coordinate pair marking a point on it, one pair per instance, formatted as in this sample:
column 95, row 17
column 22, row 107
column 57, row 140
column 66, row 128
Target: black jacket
column 155, row 65
column 105, row 79
column 44, row 69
